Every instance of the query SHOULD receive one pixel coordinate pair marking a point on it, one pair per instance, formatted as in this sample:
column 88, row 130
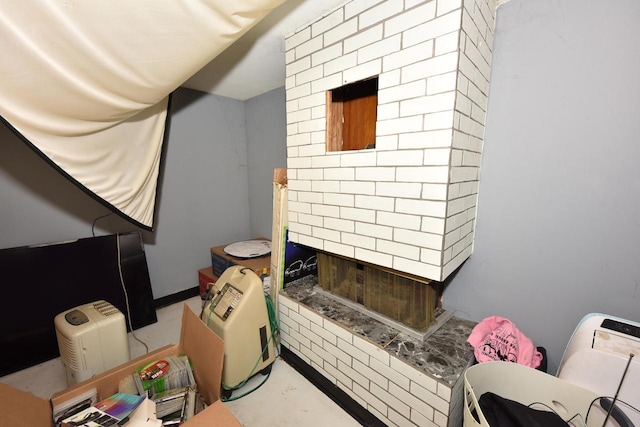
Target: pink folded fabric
column 497, row 338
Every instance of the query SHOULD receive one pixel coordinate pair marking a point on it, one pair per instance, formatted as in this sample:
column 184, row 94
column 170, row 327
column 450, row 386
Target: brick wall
column 410, row 203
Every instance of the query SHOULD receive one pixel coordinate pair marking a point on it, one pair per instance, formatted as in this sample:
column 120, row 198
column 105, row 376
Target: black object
column 501, row 412
column 45, row 280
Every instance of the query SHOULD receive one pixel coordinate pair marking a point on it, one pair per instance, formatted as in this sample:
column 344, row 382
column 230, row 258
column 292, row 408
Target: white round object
column 249, row 248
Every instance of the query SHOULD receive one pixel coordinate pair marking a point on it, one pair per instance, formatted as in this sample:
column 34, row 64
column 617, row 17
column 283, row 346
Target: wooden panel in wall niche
column 410, row 302
column 352, row 112
column 341, row 277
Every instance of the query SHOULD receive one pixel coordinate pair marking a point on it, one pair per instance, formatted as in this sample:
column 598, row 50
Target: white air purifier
column 92, row 338
column 238, row 314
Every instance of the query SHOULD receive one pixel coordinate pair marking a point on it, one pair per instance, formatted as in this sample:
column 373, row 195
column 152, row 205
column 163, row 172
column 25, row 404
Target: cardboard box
column 220, row 261
column 206, row 276
column 203, row 347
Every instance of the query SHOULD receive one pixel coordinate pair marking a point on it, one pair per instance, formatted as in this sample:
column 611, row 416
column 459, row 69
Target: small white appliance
column 92, row 338
column 238, row 314
column 598, row 358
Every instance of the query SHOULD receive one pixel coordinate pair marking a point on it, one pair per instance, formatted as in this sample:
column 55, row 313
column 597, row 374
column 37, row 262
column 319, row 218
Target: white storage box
column 529, row 387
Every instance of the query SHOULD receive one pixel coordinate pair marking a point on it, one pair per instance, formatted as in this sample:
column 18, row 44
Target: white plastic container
column 530, row 387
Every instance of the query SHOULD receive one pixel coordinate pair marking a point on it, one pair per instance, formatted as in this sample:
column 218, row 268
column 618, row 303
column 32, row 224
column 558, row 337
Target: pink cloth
column 497, row 338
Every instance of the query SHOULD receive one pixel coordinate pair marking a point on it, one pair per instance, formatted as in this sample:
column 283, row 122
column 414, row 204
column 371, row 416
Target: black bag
column 501, row 412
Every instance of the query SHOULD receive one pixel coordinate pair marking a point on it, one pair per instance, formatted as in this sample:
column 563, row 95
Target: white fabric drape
column 86, row 82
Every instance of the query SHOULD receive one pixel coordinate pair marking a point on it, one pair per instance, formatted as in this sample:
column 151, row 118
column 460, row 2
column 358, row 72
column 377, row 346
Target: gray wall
column 558, row 226
column 267, row 150
column 203, row 199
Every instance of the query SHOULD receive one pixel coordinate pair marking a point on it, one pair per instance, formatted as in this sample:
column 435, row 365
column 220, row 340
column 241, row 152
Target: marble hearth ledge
column 416, row 383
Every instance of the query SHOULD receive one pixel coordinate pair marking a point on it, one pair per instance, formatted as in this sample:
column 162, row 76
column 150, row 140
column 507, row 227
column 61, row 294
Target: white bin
column 529, row 387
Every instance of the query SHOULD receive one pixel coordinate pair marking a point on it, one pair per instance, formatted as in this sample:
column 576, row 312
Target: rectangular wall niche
column 351, row 116
column 409, row 204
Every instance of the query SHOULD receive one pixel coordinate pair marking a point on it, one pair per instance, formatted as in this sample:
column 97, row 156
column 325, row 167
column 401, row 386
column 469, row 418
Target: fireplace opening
column 352, row 111
column 396, row 299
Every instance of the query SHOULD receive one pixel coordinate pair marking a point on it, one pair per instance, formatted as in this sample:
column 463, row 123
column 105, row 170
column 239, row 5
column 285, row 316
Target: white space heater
column 238, row 314
column 92, row 338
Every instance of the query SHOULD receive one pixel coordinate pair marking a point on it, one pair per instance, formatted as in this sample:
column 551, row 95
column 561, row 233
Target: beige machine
column 238, row 314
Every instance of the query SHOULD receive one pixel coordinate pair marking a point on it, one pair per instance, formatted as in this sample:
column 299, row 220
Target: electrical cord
column 96, row 220
column 126, row 296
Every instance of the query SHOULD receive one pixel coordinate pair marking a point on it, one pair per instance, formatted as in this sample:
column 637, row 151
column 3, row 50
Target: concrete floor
column 286, row 398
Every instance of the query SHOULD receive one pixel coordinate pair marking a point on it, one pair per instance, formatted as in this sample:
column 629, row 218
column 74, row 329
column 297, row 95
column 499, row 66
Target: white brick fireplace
column 408, row 204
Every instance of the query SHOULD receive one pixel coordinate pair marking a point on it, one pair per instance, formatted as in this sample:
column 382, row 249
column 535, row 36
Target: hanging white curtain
column 86, row 82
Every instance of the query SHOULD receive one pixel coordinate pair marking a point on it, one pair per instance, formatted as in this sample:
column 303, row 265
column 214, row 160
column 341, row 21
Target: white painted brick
column 298, row 139
column 292, row 128
column 362, row 71
column 297, row 185
column 326, row 186
column 312, row 315
column 359, row 241
column 398, row 249
column 431, row 256
column 325, row 355
column 377, row 174
column 314, row 358
column 441, row 83
column 422, row 207
column 401, row 92
column 339, row 332
column 324, row 210
column 477, row 97
column 379, row 49
column 338, row 375
column 308, row 47
column 390, row 400
column 310, row 174
column 289, row 57
column 430, row 398
column 477, row 113
column 447, row 43
column 373, row 376
column 298, row 66
column 332, row 20
column 418, row 268
column 471, row 159
column 358, row 188
column 303, row 341
column 464, row 173
column 340, row 64
column 312, row 100
column 364, row 158
column 410, row 18
column 430, row 67
column 444, row 392
column 398, row 126
column 391, row 219
column 317, row 112
column 306, row 240
column 297, row 92
column 300, row 320
column 431, row 174
column 327, row 83
column 432, row 225
column 352, row 351
column 309, row 75
column 288, row 303
column 339, row 225
column 412, row 401
column 308, row 196
column 353, row 374
column 401, row 158
column 298, row 116
column 339, row 199
column 340, row 355
column 339, row 249
column 428, row 139
column 446, row 6
column 440, row 419
column 437, row 156
column 327, row 161
column 428, row 104
column 388, row 111
column 355, row 7
column 380, row 13
column 375, row 202
column 341, row 32
column 418, row 419
column 298, row 38
column 325, row 334
column 463, row 104
column 326, row 234
column 372, row 401
column 374, row 257
column 439, row 120
column 434, row 191
column 388, row 79
column 387, row 143
column 314, row 338
column 419, row 239
column 413, row 54
column 293, row 345
column 311, row 220
column 299, row 207
column 399, row 189
column 374, row 230
column 341, row 174
column 362, row 39
column 311, row 150
column 362, row 215
column 432, row 29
